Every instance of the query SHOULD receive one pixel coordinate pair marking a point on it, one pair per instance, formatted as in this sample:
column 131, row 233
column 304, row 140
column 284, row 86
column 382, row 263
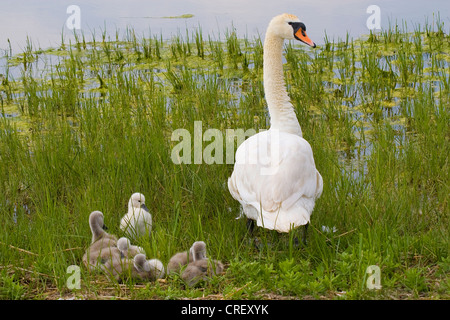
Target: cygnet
column 138, row 220
column 137, row 268
column 180, row 259
column 201, row 268
column 103, row 246
column 128, row 250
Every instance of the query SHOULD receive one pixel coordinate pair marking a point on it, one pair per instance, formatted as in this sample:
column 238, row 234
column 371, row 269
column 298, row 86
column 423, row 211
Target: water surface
column 44, row 21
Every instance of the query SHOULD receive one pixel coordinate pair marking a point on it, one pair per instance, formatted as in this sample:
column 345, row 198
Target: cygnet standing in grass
column 201, row 268
column 181, row 259
column 103, row 245
column 137, row 268
column 138, row 220
column 128, row 250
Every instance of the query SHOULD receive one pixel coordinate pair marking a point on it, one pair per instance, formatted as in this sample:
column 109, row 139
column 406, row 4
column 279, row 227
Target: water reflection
column 43, row 21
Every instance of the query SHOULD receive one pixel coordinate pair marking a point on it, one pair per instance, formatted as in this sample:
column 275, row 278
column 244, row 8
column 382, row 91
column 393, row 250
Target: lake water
column 44, row 21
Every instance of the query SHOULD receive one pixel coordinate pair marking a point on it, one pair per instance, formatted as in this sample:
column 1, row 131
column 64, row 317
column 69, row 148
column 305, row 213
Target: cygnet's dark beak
column 143, row 206
column 104, row 227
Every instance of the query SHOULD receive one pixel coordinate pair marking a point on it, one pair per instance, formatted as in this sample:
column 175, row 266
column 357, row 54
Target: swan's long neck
column 282, row 114
column 97, row 230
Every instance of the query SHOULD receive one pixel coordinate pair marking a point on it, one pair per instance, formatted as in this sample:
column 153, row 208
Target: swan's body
column 137, row 268
column 103, row 245
column 201, row 268
column 138, row 220
column 95, row 257
column 128, row 250
column 274, row 177
column 180, row 259
column 157, row 268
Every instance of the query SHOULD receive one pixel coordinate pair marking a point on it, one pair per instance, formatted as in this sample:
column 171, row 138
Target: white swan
column 275, row 178
column 103, row 245
column 138, row 220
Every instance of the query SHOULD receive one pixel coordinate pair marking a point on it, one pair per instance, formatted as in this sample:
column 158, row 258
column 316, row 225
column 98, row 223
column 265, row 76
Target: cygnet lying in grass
column 201, row 268
column 103, row 245
column 137, row 268
column 128, row 250
column 180, row 259
column 138, row 220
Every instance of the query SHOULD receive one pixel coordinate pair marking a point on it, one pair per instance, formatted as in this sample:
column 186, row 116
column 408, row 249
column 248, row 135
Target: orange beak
column 301, row 35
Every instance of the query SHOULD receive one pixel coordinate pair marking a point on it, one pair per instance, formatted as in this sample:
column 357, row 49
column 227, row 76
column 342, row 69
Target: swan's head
column 96, row 221
column 123, row 244
column 141, row 263
column 198, row 250
column 137, row 200
column 288, row 26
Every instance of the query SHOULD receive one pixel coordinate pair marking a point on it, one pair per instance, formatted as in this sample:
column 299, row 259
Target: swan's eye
column 298, row 26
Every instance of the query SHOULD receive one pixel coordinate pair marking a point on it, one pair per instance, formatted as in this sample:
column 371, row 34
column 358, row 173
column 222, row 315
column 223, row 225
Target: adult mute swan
column 138, row 220
column 275, row 178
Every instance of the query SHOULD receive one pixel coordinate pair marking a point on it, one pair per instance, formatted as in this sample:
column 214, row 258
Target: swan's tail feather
column 280, row 220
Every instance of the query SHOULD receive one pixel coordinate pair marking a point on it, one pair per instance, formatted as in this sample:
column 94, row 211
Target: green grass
column 92, row 123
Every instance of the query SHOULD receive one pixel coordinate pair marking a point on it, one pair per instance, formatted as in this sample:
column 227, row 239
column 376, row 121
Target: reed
column 94, row 123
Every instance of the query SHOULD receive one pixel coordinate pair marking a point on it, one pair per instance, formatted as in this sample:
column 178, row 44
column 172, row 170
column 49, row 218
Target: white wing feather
column 275, row 180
